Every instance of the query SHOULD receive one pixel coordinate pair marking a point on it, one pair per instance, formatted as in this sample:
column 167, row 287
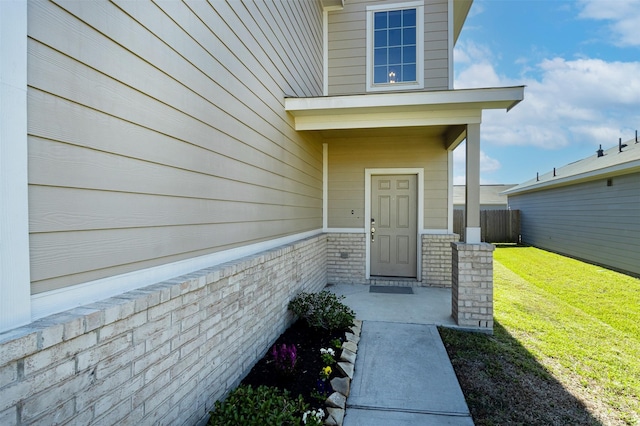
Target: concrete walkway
column 403, row 375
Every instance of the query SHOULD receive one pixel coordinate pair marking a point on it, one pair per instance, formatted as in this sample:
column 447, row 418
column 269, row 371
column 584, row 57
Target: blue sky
column 580, row 61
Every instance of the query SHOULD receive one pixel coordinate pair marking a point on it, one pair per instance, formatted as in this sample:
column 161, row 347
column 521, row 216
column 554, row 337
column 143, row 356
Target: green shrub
column 323, row 310
column 264, row 405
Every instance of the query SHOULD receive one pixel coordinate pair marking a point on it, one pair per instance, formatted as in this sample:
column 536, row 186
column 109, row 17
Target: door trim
column 368, row 173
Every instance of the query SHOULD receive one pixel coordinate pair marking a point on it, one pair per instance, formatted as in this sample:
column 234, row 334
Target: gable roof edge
column 606, row 172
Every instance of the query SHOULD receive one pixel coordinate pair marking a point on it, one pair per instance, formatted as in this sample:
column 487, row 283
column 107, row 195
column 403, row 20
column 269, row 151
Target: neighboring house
column 588, row 210
column 491, row 197
column 173, row 173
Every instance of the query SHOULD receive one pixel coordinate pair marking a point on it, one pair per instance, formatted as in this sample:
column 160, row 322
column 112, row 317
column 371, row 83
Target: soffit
column 460, row 12
column 332, row 4
column 421, row 132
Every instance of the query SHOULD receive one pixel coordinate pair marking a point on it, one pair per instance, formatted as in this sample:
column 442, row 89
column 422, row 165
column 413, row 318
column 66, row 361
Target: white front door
column 394, row 221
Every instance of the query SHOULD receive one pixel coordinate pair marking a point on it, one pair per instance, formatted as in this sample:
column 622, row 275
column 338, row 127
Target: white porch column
column 472, row 195
column 472, row 261
column 15, row 293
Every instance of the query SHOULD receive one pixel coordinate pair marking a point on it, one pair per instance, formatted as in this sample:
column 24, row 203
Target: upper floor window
column 395, row 46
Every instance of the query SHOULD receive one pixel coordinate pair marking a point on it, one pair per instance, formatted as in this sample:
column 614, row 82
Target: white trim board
column 54, row 301
column 325, row 186
column 398, row 109
column 437, row 100
column 327, row 7
column 450, row 42
column 367, row 210
column 450, row 191
column 364, row 230
column 325, row 52
column 346, row 230
column 434, row 232
column 15, row 283
column 472, row 235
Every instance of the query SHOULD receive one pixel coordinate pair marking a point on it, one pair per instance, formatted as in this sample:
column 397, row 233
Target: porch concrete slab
column 404, row 368
column 427, row 305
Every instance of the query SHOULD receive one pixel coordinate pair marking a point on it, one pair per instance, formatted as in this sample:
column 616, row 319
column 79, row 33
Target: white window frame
column 419, row 84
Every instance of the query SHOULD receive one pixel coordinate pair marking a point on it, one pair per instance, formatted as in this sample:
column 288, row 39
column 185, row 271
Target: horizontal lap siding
column 590, row 221
column 347, row 47
column 436, row 46
column 350, row 155
column 158, row 132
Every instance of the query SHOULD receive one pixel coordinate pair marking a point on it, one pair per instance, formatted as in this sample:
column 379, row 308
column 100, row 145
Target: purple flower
column 285, row 357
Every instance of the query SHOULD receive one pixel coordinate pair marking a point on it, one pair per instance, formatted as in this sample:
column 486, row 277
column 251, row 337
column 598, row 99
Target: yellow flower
column 326, row 371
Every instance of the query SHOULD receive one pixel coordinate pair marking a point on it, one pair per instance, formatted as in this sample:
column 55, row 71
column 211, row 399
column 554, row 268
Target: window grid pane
column 395, row 46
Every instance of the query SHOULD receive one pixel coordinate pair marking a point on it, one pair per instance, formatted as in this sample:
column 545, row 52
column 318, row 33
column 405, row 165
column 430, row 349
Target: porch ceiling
column 406, row 109
column 430, row 131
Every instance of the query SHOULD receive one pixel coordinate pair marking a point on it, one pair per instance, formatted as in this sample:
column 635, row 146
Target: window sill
column 395, row 87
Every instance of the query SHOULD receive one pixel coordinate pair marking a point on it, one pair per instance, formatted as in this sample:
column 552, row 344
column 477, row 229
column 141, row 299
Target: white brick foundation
column 346, row 261
column 436, row 259
column 158, row 355
column 164, row 353
column 472, row 285
column 346, row 258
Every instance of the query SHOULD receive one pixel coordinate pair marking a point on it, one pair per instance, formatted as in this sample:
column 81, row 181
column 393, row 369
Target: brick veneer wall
column 158, row 355
column 472, row 285
column 436, row 259
column 346, row 262
column 346, row 258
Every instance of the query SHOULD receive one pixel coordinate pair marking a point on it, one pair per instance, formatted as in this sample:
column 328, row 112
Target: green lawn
column 567, row 339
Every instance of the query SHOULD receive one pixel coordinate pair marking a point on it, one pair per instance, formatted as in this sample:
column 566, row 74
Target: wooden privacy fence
column 497, row 226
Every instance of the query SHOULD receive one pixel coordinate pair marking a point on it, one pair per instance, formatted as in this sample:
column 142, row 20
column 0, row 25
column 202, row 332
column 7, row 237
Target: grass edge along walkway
column 543, row 322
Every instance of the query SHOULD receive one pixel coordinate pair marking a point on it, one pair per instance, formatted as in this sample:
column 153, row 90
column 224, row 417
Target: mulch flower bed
column 305, row 377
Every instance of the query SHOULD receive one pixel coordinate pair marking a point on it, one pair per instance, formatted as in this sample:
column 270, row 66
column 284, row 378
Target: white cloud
column 477, row 9
column 469, row 51
column 573, row 101
column 487, row 165
column 592, row 82
column 459, row 180
column 623, row 15
column 480, row 74
column 479, row 71
column 581, row 101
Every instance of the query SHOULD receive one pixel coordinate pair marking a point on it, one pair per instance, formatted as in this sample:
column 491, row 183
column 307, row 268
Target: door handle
column 373, row 230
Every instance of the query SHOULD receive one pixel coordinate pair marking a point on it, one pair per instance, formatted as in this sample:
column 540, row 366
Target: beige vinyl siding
column 351, row 152
column 347, row 46
column 436, row 45
column 157, row 132
column 590, row 221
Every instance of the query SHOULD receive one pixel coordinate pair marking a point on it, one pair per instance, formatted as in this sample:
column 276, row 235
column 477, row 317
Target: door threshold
column 394, row 281
column 390, row 289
